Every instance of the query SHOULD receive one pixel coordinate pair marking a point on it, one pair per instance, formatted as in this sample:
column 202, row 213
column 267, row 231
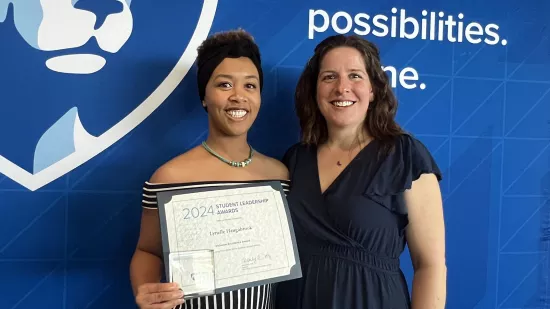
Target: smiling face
column 344, row 90
column 232, row 96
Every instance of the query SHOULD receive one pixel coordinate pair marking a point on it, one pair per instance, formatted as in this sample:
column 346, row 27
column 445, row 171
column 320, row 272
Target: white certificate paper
column 225, row 238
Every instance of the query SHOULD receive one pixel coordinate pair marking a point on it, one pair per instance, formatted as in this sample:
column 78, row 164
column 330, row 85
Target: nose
column 237, row 96
column 101, row 9
column 343, row 86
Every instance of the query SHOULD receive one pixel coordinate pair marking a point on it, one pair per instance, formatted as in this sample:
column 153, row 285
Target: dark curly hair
column 380, row 119
column 226, row 44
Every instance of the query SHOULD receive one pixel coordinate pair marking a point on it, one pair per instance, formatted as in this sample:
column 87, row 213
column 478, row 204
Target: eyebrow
column 352, row 70
column 230, row 77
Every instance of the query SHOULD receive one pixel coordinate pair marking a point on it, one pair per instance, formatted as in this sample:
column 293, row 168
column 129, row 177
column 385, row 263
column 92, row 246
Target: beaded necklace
column 230, row 162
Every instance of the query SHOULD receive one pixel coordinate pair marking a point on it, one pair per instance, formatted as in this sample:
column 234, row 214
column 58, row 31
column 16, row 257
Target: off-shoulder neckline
column 213, row 182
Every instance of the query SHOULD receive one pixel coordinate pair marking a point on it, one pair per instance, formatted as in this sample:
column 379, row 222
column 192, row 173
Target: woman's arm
column 146, row 265
column 146, row 268
column 426, row 239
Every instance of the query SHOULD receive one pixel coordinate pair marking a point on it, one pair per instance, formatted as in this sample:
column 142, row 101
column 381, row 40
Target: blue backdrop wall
column 95, row 94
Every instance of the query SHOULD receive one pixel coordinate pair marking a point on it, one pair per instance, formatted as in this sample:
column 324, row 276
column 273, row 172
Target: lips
column 236, row 113
column 342, row 103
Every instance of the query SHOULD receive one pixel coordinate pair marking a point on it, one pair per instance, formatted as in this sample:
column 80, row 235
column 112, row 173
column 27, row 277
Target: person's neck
column 235, row 148
column 348, row 138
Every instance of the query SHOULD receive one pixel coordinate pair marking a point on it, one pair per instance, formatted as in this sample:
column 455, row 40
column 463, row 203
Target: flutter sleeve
column 396, row 173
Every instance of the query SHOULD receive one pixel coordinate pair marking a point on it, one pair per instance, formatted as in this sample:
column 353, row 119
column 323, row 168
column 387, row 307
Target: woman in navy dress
column 361, row 190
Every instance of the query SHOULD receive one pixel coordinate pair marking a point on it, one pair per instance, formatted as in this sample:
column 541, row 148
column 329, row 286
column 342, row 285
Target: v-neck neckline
column 340, row 175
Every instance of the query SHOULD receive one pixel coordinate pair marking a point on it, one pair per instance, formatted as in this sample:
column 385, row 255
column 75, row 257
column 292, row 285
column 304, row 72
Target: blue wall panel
column 95, row 94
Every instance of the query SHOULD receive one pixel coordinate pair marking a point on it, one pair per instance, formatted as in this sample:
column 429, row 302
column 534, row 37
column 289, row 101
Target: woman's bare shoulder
column 182, row 168
column 274, row 168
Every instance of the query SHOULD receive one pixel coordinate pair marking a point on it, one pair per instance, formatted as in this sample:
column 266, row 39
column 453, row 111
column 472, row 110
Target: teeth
column 342, row 103
column 237, row 113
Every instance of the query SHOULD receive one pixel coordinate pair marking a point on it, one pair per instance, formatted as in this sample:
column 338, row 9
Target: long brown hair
column 380, row 119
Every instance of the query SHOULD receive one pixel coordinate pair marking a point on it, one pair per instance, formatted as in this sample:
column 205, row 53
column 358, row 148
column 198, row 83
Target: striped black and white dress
column 257, row 297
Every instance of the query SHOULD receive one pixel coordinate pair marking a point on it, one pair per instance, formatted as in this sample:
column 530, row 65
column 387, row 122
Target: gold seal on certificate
column 226, row 238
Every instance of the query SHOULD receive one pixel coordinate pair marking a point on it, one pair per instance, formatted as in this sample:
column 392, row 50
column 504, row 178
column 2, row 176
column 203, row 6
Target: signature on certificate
column 251, row 260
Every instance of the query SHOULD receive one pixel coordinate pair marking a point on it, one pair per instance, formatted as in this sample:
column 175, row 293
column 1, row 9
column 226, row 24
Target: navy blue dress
column 351, row 236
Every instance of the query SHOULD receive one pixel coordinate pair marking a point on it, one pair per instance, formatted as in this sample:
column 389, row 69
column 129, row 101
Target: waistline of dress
column 354, row 255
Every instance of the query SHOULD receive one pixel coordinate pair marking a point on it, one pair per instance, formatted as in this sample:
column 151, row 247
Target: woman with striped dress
column 229, row 81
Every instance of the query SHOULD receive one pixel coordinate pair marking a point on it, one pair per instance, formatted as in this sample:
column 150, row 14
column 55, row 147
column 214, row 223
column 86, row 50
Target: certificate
column 220, row 239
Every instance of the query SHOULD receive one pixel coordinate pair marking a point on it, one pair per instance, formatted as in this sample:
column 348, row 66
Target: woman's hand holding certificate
column 222, row 239
column 159, row 296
